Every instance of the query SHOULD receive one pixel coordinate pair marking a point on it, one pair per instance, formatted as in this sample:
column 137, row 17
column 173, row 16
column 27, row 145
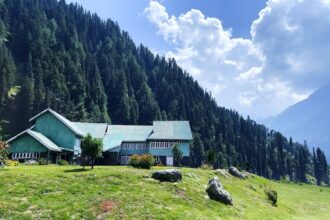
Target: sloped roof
column 171, row 130
column 97, row 130
column 116, row 134
column 65, row 121
column 40, row 138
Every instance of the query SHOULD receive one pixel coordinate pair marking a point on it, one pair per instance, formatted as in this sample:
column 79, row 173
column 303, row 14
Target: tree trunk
column 93, row 161
column 48, row 155
column 83, row 161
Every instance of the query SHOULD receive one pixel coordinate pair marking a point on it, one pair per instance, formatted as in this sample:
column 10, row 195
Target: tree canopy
column 91, row 148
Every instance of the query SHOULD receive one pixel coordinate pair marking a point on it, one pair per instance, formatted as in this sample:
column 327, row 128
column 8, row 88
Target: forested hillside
column 60, row 56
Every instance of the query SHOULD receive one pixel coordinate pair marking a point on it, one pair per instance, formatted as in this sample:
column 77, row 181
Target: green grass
column 55, row 192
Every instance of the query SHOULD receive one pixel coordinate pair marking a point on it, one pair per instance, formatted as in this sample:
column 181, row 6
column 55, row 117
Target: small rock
column 167, row 175
column 191, row 175
column 216, row 191
column 235, row 172
column 222, row 172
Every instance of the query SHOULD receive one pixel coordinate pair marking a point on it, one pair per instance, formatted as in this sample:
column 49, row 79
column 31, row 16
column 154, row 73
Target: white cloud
column 285, row 59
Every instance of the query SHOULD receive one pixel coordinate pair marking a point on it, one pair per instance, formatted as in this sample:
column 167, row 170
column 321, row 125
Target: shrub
column 43, row 161
column 144, row 161
column 63, row 162
column 311, row 180
column 177, row 155
column 272, row 196
column 11, row 163
column 206, row 167
column 3, row 155
column 285, row 179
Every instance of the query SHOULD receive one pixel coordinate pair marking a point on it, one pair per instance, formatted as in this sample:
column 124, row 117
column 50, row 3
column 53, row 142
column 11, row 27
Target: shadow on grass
column 76, row 170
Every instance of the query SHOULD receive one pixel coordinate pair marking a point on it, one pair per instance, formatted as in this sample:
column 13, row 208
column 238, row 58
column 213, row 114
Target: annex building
column 54, row 137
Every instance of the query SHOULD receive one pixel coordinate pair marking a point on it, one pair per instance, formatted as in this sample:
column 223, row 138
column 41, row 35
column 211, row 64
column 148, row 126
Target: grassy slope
column 32, row 192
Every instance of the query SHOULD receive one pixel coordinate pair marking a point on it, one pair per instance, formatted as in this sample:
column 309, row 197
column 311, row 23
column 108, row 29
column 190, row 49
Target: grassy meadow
column 118, row 192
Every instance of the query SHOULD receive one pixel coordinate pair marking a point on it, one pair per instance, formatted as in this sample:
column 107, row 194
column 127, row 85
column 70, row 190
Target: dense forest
column 61, row 56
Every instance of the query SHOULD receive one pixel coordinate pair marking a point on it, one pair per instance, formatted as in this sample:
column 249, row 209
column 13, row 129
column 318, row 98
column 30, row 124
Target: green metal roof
column 40, row 138
column 171, row 130
column 97, row 130
column 44, row 140
column 116, row 134
column 65, row 121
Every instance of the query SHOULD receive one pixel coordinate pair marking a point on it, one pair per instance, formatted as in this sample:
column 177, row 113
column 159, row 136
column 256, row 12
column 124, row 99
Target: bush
column 144, row 161
column 3, row 155
column 11, row 163
column 63, row 162
column 43, row 161
column 206, row 167
column 311, row 180
column 272, row 196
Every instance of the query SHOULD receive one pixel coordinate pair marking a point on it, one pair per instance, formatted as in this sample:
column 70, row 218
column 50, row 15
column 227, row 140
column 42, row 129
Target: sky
column 257, row 57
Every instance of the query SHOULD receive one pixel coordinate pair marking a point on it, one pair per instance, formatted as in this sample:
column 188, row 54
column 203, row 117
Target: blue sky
column 256, row 56
column 235, row 14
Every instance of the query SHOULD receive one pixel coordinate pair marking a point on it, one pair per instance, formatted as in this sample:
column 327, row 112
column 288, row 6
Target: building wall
column 26, row 144
column 184, row 147
column 134, row 148
column 56, row 131
column 161, row 153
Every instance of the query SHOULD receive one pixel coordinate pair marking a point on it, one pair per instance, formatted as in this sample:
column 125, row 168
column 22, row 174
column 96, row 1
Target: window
column 163, row 144
column 134, row 146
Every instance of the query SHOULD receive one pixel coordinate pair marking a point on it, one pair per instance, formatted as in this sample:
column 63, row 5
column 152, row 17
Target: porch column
column 48, row 155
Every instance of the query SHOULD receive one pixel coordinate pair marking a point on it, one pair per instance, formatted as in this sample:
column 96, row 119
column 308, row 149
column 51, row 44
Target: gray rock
column 167, row 175
column 235, row 172
column 216, row 191
column 222, row 172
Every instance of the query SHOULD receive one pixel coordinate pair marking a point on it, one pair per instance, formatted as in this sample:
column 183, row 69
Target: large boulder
column 167, row 175
column 235, row 172
column 216, row 191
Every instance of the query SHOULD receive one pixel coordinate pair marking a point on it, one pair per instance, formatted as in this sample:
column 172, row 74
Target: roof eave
column 171, row 139
column 31, row 134
column 44, row 144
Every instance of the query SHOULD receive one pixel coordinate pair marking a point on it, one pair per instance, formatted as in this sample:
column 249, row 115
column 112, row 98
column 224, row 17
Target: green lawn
column 113, row 192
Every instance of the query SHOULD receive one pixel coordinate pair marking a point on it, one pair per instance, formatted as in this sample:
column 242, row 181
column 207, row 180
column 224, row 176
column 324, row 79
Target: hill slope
column 53, row 192
column 308, row 120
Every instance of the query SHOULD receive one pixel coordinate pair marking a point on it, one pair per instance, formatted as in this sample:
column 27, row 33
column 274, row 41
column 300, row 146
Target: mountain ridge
column 307, row 120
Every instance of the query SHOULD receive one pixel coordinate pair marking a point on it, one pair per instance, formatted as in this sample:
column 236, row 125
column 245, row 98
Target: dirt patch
column 180, row 193
column 108, row 206
column 36, row 213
